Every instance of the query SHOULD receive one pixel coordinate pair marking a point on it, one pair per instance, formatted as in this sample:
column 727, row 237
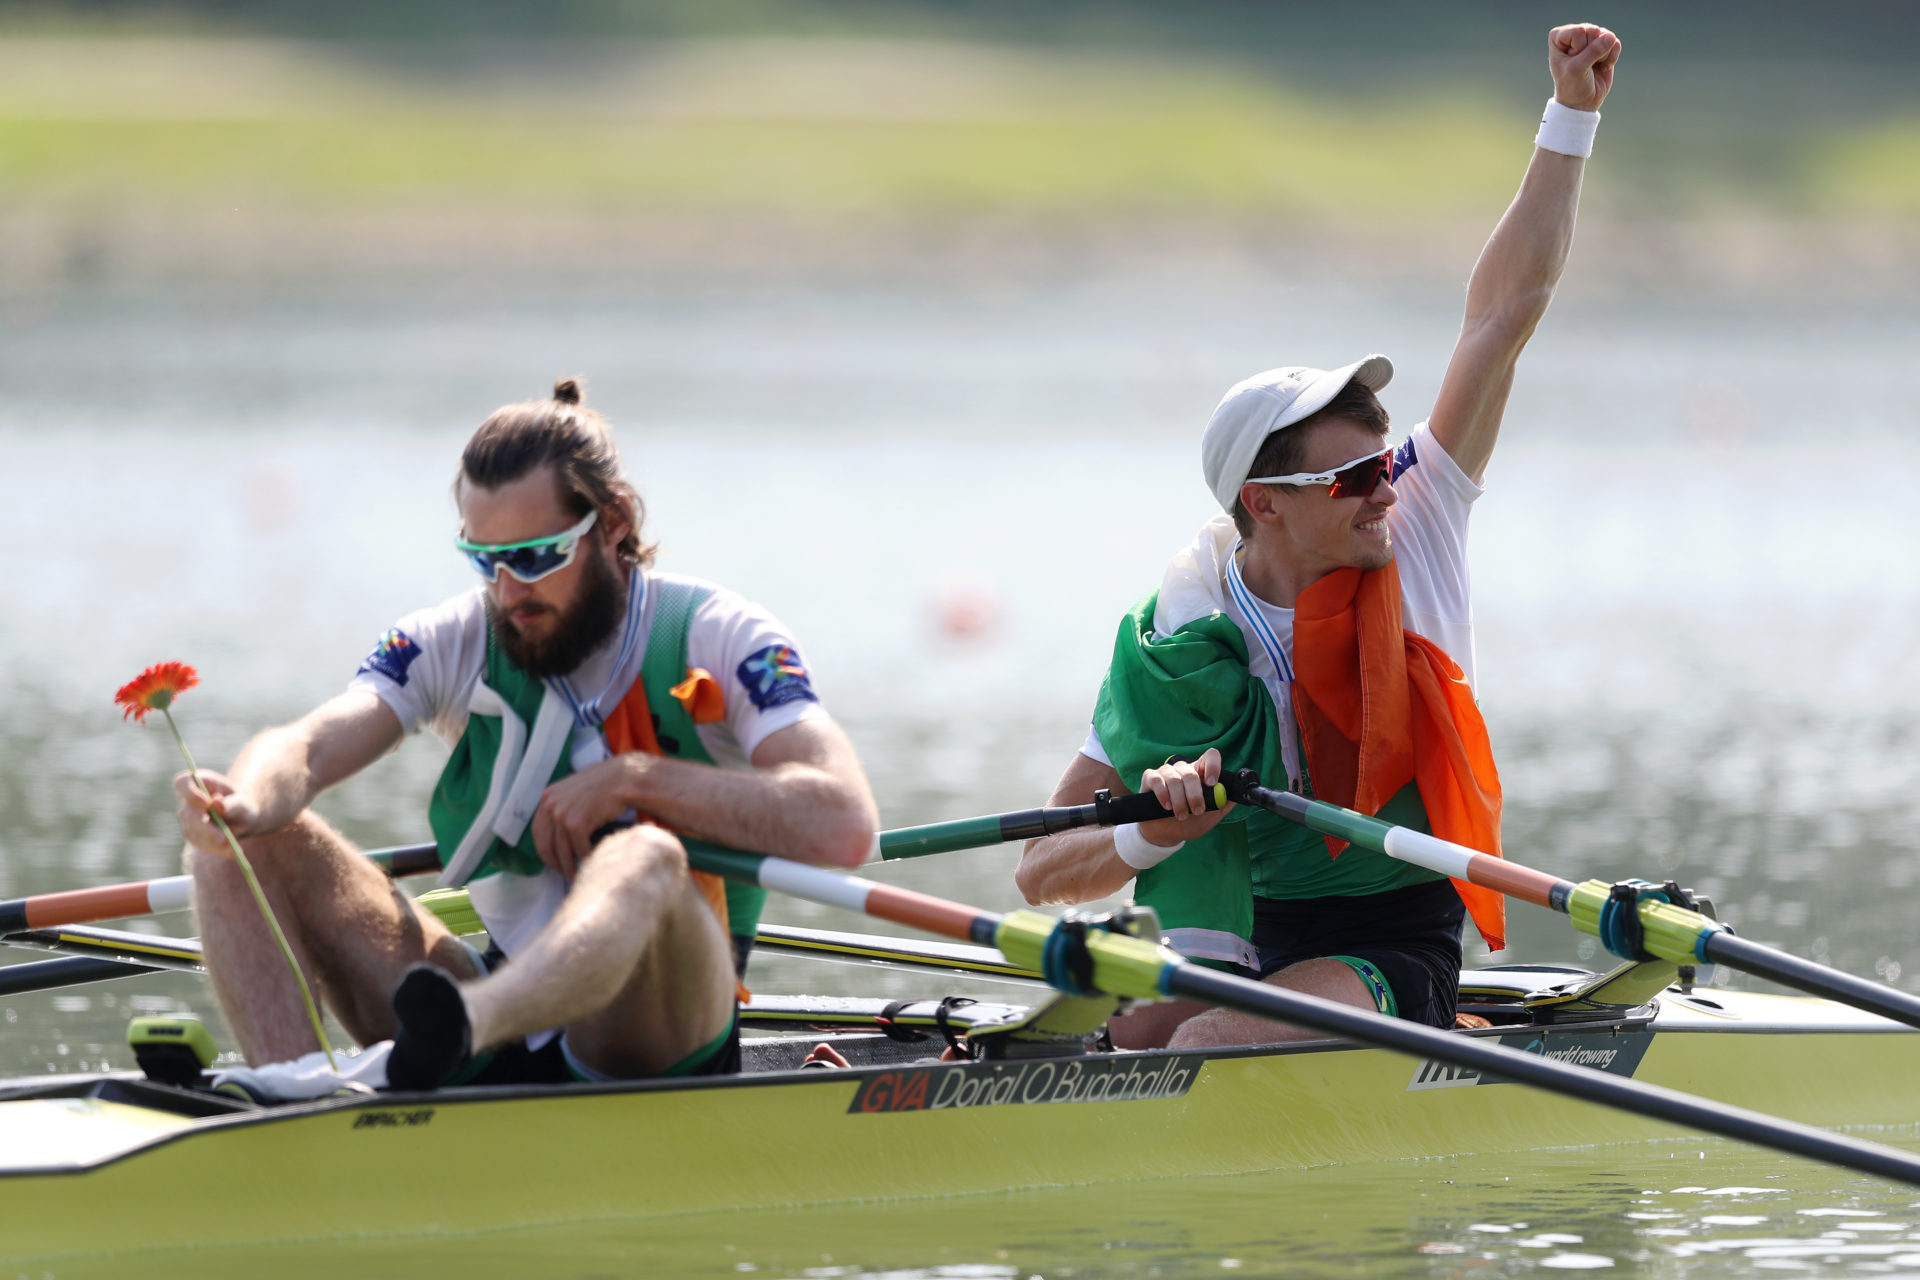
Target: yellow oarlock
column 1122, row 965
column 1669, row 932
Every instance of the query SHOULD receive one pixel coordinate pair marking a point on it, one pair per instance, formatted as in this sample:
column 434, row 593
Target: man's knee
column 297, row 848
column 638, row 852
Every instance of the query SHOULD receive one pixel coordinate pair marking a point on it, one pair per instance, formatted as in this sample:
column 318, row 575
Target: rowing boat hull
column 467, row 1160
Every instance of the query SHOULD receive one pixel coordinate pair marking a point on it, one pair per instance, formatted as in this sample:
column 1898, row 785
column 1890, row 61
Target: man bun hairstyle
column 576, row 442
column 1284, row 452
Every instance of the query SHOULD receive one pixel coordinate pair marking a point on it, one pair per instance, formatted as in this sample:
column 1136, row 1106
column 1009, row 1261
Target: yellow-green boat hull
column 87, row 1176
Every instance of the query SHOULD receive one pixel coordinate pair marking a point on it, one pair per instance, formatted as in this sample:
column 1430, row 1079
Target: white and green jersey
column 1204, row 662
column 428, row 669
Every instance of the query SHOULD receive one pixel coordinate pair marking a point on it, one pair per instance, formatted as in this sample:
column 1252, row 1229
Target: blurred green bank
column 915, row 127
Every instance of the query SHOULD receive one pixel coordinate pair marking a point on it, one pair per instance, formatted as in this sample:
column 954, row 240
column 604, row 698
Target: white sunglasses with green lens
column 529, row 561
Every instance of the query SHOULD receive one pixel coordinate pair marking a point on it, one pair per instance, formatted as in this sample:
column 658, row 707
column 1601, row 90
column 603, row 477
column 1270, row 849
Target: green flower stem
column 259, row 897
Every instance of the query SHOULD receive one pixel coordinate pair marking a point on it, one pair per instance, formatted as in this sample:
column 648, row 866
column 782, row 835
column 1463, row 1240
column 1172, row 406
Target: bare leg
column 354, row 932
column 1328, row 979
column 634, row 964
column 1150, row 1026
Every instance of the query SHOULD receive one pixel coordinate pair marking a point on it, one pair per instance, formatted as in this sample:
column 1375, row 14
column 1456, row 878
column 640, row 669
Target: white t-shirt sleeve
column 1094, row 749
column 1429, row 525
column 765, row 681
column 426, row 665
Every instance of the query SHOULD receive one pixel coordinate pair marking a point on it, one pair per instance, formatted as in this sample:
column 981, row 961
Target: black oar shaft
column 68, row 971
column 1790, row 970
column 1492, row 1059
column 406, row 859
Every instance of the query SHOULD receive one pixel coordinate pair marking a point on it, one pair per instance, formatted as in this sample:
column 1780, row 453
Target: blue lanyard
column 1251, row 609
column 590, row 714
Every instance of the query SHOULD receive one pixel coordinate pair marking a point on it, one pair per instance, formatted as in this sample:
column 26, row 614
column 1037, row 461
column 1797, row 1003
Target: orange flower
column 153, row 689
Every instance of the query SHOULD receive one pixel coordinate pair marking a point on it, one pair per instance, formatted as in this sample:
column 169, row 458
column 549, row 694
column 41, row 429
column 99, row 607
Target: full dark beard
column 580, row 630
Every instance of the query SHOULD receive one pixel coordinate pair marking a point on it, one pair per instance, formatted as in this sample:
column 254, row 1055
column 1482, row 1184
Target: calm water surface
column 1695, row 608
column 1684, row 1209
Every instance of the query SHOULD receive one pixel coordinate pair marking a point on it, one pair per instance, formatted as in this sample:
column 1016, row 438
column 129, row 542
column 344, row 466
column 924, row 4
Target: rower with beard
column 594, row 705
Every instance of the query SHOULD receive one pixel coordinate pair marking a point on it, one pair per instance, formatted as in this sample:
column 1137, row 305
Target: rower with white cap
column 1320, row 632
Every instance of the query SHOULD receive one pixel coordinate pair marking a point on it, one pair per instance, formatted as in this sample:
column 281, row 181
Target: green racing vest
column 1167, row 697
column 495, row 775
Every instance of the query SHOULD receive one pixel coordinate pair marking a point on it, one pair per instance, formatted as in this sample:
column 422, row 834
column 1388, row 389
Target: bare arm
column 805, row 798
column 1514, row 279
column 278, row 773
column 1075, row 866
column 1080, row 866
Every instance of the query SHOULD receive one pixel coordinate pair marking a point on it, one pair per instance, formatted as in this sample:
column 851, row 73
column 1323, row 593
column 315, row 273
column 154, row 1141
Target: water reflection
column 1689, row 1210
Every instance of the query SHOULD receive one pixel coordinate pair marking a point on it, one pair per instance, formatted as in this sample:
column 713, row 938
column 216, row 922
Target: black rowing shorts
column 1411, row 936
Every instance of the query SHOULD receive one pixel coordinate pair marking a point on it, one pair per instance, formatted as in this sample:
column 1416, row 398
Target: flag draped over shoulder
column 1379, row 706
column 1179, row 682
column 1177, row 695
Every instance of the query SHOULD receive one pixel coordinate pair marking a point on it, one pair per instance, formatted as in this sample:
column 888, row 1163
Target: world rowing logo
column 392, row 656
column 775, row 676
column 1617, row 1055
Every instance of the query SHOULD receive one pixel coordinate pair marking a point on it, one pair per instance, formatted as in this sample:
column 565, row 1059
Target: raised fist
column 1582, row 58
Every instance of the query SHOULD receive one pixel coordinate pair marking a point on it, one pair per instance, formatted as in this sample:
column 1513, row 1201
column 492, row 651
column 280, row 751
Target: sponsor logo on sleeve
column 392, row 656
column 1009, row 1084
column 775, row 676
column 1617, row 1055
column 1403, row 460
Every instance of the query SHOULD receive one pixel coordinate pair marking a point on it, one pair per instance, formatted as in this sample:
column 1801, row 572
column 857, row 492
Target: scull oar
column 92, row 954
column 108, row 902
column 1635, row 920
column 147, row 950
column 1027, row 824
column 1080, row 957
column 167, row 893
column 867, row 948
column 174, row 893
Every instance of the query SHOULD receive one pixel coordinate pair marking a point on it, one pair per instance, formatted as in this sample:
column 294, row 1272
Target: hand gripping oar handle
column 1107, row 810
column 1666, row 930
column 1074, row 957
column 173, row 893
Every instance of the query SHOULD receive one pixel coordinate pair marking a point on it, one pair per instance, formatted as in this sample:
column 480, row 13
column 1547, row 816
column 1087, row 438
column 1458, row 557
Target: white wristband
column 1566, row 130
column 1139, row 852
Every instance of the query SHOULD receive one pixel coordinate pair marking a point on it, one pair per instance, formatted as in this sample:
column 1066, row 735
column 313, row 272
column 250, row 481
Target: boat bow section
column 67, row 1135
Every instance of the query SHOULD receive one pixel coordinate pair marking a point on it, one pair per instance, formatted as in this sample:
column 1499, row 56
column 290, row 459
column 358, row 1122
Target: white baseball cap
column 1256, row 408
